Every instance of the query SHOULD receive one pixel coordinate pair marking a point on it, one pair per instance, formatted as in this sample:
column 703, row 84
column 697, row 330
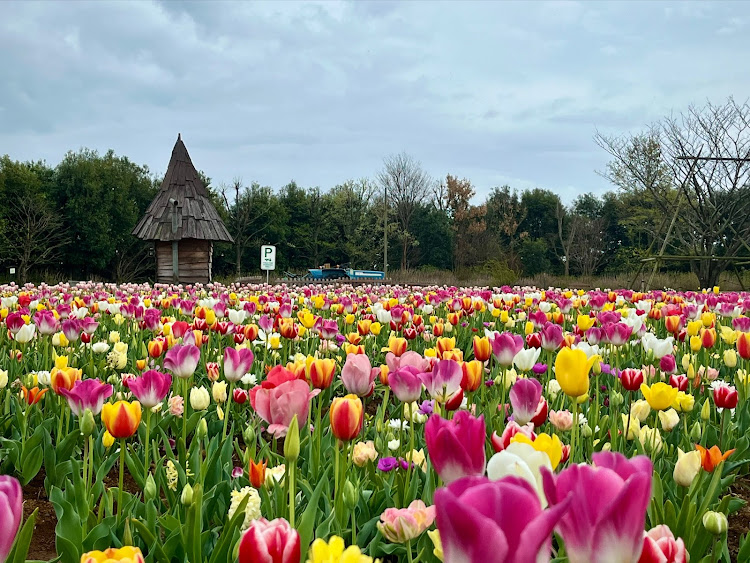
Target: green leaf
column 23, row 540
column 147, row 535
column 226, row 539
column 307, row 522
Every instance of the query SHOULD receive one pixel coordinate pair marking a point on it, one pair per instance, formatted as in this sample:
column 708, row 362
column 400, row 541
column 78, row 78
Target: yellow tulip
column 333, row 552
column 660, row 396
column 729, row 335
column 687, row 467
column 695, row 343
column 572, row 369
column 585, row 322
column 684, row 402
column 707, row 319
column 550, row 445
column 693, row 327
column 730, row 358
column 126, row 554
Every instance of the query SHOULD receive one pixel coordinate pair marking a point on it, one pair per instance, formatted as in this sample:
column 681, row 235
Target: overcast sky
column 320, row 92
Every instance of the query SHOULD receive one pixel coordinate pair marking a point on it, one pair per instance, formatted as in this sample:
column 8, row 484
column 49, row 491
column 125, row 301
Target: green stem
column 411, row 448
column 146, row 460
column 292, row 493
column 229, row 407
column 574, row 434
column 120, row 482
column 409, row 557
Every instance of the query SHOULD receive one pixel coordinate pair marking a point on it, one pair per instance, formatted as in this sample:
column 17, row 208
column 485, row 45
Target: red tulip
column 680, row 382
column 631, row 379
column 725, row 396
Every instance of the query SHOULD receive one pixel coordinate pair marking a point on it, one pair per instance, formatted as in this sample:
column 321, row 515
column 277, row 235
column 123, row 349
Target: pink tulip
column 495, row 521
column 86, row 394
column 182, row 360
column 89, row 325
column 399, row 525
column 406, row 384
column 444, row 381
column 660, row 546
column 151, row 388
column 618, row 333
column 46, row 322
column 524, row 398
column 456, row 447
column 562, row 420
column 358, row 375
column 237, row 363
column 408, row 358
column 552, row 336
column 14, row 321
column 11, row 510
column 270, row 542
column 668, row 364
column 278, row 405
column 608, row 506
column 499, row 443
column 71, row 328
column 741, row 323
column 505, row 346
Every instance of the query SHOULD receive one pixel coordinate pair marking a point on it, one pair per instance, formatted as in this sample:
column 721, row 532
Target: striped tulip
column 321, row 373
column 482, row 348
column 122, row 418
column 347, row 416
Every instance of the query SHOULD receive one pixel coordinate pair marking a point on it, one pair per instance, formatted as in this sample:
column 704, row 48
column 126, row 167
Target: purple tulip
column 427, row 407
column 358, row 375
column 618, row 333
column 539, row 368
column 552, row 336
column 387, row 464
column 151, row 388
column 595, row 335
column 668, row 364
column 86, row 394
column 607, row 508
column 329, row 328
column 444, row 380
column 11, row 510
column 406, row 384
column 182, row 360
column 456, row 447
column 505, row 346
column 495, row 521
column 524, row 398
column 237, row 363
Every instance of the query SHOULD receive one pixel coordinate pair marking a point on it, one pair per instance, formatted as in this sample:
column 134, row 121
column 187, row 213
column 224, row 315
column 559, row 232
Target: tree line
column 73, row 220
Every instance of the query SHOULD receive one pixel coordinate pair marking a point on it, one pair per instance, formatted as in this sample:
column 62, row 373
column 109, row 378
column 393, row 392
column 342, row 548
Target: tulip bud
column 604, row 421
column 107, row 440
column 149, row 490
column 249, row 435
column 686, row 362
column 691, row 372
column 706, row 411
column 202, row 430
column 88, row 424
column 291, row 442
column 586, row 431
column 127, row 536
column 615, row 399
column 715, row 522
column 350, row 495
column 187, row 495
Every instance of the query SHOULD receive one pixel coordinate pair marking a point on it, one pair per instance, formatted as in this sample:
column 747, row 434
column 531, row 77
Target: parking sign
column 267, row 257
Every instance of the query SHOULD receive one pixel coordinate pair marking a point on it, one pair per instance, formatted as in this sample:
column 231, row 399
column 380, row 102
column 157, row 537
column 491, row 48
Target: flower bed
column 316, row 423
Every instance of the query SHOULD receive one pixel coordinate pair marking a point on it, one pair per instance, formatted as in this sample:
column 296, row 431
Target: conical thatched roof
column 197, row 217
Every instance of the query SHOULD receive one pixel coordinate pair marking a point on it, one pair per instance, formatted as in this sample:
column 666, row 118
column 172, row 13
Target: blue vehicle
column 325, row 274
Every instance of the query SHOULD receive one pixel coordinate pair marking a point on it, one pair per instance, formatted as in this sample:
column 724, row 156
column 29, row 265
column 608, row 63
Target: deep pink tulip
column 278, row 405
column 237, row 363
column 456, row 447
column 358, row 375
column 608, row 507
column 182, row 360
column 11, row 510
column 151, row 388
column 444, row 380
column 552, row 336
column 668, row 364
column 45, row 321
column 618, row 333
column 725, row 396
column 680, row 381
column 406, row 384
column 89, row 325
column 595, row 335
column 495, row 521
column 71, row 328
column 660, row 546
column 270, row 542
column 524, row 398
column 499, row 443
column 14, row 321
column 505, row 346
column 408, row 358
column 86, row 394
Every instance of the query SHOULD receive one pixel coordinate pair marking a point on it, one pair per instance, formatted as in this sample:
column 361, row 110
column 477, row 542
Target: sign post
column 267, row 259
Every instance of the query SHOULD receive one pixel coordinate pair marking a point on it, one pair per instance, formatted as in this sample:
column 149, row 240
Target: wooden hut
column 183, row 223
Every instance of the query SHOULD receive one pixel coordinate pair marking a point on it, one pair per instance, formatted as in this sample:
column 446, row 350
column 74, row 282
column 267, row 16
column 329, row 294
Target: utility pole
column 385, row 231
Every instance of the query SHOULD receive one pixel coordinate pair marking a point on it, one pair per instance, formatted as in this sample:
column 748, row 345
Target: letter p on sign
column 267, row 257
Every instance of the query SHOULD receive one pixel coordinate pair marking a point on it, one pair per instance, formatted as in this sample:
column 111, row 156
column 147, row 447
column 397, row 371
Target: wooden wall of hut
column 194, row 261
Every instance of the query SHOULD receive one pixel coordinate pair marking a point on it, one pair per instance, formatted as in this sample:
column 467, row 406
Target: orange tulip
column 353, row 349
column 708, row 337
column 321, row 373
column 473, row 372
column 288, row 328
column 122, row 418
column 672, row 323
column 353, row 338
column 455, row 354
column 383, row 374
column 299, row 369
column 347, row 417
column 33, row 395
column 64, row 378
column 251, row 332
column 140, row 364
column 127, row 554
column 397, row 345
column 712, row 457
column 482, row 348
column 258, row 473
column 437, row 329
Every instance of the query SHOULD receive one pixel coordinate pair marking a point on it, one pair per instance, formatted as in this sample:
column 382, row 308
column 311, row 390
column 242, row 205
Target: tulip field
column 355, row 424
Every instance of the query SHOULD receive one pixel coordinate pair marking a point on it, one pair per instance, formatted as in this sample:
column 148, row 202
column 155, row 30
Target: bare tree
column 587, row 250
column 406, row 185
column 696, row 168
column 566, row 240
column 33, row 233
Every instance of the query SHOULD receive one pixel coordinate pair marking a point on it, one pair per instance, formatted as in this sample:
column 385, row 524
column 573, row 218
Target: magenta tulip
column 444, row 381
column 618, row 333
column 668, row 364
column 406, row 384
column 237, row 363
column 11, row 510
column 660, row 546
column 151, row 388
column 86, row 394
column 552, row 336
column 15, row 322
column 278, row 405
column 456, row 447
column 71, row 328
column 495, row 521
column 608, row 507
column 182, row 360
column 358, row 375
column 524, row 398
column 46, row 322
column 89, row 325
column 741, row 323
column 505, row 346
column 270, row 542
